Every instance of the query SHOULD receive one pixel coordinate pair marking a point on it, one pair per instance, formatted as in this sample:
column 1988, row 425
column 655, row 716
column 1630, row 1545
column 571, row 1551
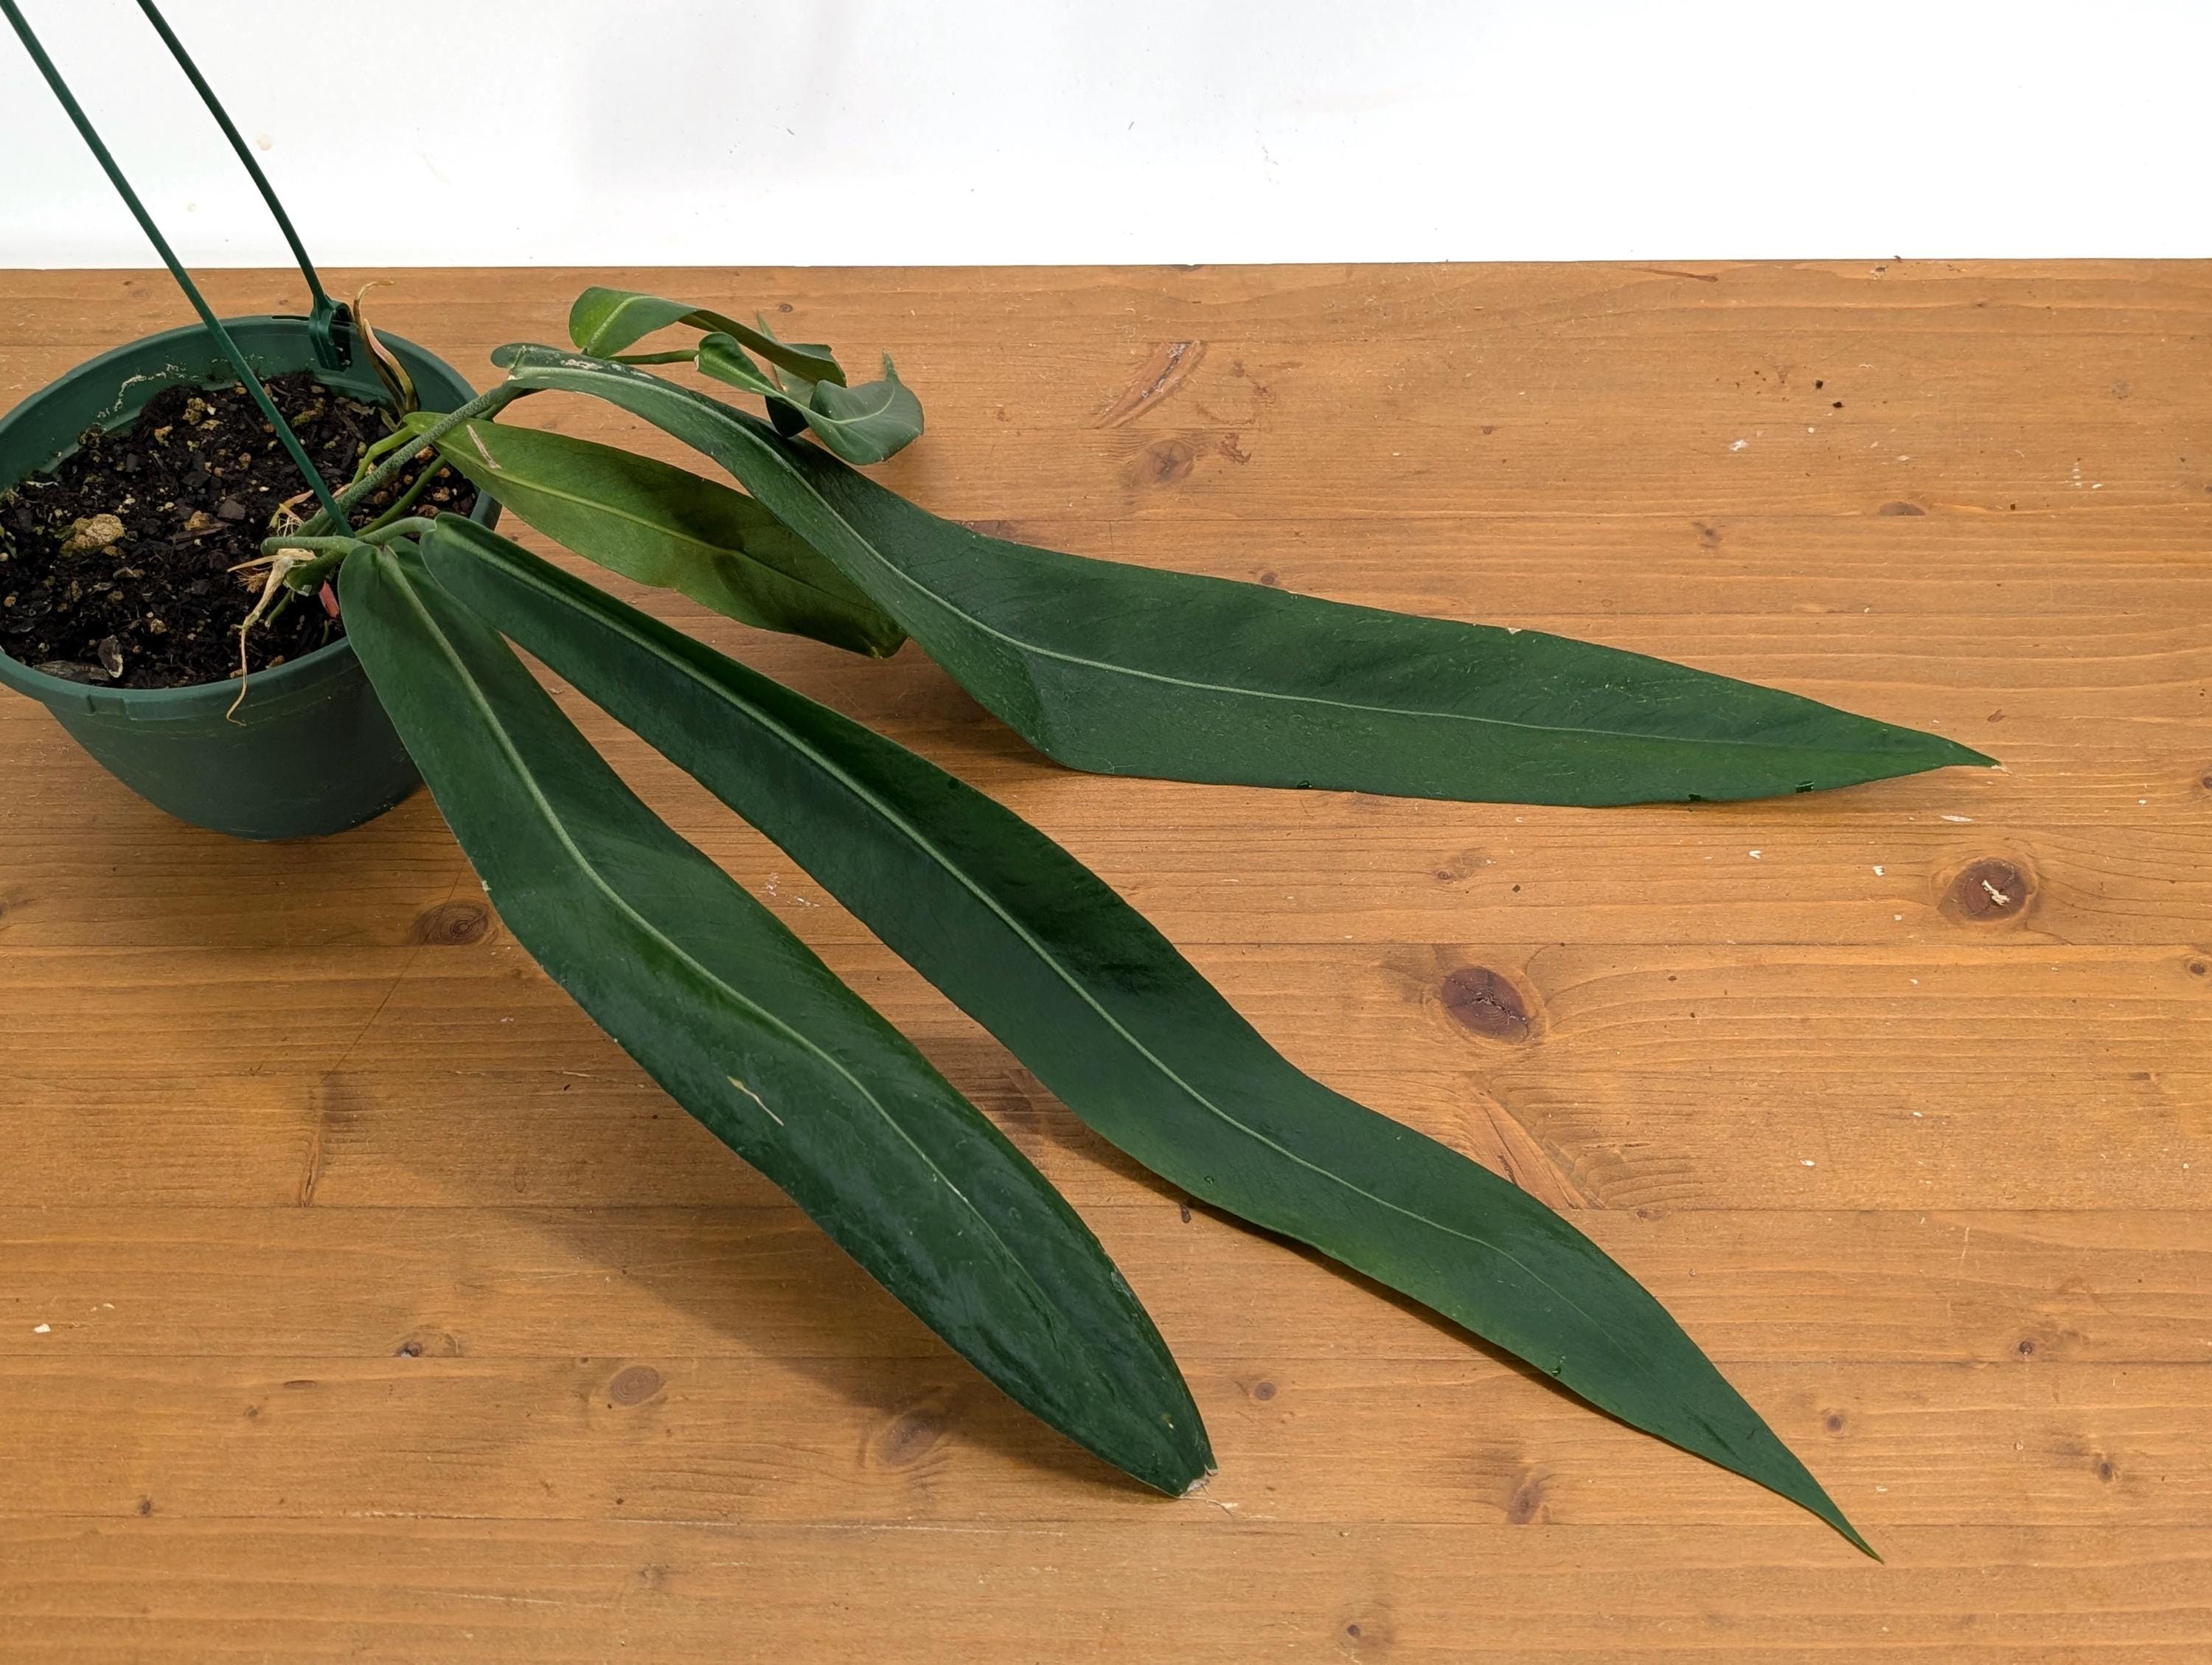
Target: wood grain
column 361, row 1302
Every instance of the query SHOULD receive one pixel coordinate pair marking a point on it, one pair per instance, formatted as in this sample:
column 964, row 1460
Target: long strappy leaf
column 756, row 1037
column 1127, row 671
column 1043, row 953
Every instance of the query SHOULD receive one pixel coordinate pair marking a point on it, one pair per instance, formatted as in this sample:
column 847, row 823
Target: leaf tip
column 1852, row 1536
column 1200, row 1478
column 1941, row 753
column 1922, row 751
column 1811, row 1496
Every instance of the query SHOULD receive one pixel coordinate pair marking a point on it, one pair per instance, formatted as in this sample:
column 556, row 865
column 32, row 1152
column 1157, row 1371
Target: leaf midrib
column 1801, row 1486
column 1044, row 652
column 884, row 402
column 1114, row 1024
column 714, row 409
column 714, row 551
column 545, row 810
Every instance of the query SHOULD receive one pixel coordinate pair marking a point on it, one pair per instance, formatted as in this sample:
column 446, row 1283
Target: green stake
column 231, row 349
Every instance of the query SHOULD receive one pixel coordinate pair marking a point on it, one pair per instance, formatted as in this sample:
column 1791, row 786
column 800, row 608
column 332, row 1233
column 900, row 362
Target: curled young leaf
column 804, row 385
column 863, row 425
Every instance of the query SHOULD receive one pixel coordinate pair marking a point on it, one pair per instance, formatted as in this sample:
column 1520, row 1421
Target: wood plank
column 745, row 1280
column 1328, row 867
column 1197, row 1585
column 1697, row 1077
column 922, row 1438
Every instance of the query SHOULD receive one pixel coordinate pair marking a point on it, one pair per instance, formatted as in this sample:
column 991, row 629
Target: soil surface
column 115, row 570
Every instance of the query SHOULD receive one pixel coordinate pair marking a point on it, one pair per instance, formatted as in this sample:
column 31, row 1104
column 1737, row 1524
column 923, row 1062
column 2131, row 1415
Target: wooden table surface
column 360, row 1301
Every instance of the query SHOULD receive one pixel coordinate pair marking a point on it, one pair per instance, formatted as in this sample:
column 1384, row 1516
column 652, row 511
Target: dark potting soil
column 115, row 570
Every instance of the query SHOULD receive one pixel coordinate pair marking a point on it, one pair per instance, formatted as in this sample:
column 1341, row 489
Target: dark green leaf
column 663, row 525
column 606, row 321
column 786, row 418
column 754, row 1036
column 864, row 425
column 1114, row 1020
column 867, row 423
column 1127, row 670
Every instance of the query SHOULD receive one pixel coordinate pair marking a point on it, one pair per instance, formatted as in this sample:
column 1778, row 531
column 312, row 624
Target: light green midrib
column 868, row 549
column 1113, row 1024
column 890, row 397
column 545, row 808
column 1088, row 1000
column 1042, row 651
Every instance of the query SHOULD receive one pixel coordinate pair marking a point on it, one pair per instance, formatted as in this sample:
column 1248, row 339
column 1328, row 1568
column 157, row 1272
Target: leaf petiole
column 325, row 554
column 483, row 405
column 408, row 498
column 376, row 452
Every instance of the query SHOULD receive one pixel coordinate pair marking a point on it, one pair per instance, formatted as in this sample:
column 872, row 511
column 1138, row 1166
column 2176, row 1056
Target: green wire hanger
column 331, row 349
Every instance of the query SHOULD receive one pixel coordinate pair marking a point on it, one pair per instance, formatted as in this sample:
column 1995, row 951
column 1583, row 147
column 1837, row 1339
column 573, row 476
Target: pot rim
column 285, row 683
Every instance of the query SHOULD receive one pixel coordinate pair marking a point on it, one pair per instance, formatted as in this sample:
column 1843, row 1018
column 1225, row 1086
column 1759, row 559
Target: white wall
column 704, row 132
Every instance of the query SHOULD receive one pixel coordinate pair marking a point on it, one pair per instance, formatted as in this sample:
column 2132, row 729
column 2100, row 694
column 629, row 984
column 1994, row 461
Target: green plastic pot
column 309, row 750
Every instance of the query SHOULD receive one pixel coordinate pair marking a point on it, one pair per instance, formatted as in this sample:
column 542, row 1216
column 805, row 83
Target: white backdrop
column 705, row 132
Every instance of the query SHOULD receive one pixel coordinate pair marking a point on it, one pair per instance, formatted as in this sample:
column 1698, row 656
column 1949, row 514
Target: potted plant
column 1102, row 666
column 304, row 749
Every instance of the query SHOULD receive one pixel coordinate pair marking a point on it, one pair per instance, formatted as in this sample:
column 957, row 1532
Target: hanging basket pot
column 308, row 751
